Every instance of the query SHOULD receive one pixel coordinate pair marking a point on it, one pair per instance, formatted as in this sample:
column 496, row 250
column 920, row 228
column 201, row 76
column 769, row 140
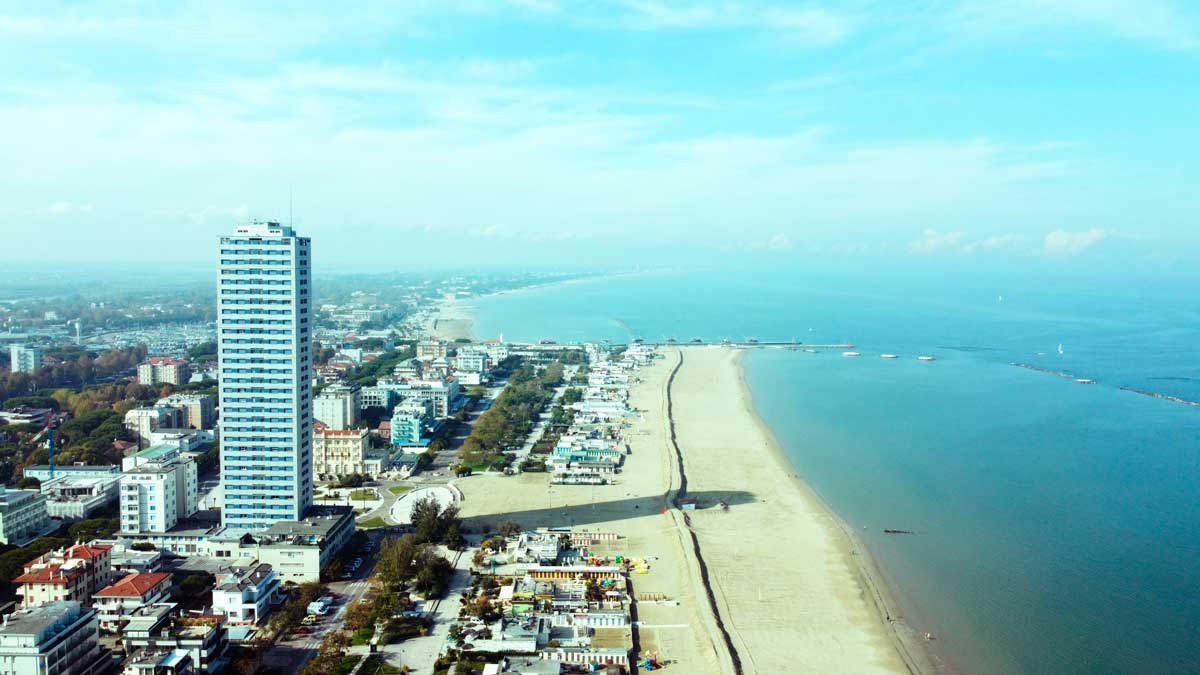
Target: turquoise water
column 1057, row 522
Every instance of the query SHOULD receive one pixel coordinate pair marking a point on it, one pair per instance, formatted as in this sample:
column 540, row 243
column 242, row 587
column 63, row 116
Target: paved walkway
column 401, row 510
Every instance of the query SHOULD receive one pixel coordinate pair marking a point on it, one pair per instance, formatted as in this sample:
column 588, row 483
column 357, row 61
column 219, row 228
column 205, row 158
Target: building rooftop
column 43, row 621
column 134, row 585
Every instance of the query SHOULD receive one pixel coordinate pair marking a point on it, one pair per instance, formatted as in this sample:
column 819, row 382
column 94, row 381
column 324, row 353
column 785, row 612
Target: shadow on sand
column 559, row 515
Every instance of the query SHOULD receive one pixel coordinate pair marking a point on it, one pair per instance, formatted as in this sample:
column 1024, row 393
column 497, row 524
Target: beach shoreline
column 908, row 642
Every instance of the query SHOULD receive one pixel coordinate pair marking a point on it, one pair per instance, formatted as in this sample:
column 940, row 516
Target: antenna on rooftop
column 291, row 193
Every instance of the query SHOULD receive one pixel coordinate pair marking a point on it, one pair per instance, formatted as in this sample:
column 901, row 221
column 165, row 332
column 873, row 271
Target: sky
column 453, row 133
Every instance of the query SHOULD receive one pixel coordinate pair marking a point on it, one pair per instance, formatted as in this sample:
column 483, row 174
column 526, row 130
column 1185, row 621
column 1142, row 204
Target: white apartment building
column 441, row 394
column 25, row 359
column 430, row 348
column 337, row 406
column 471, row 361
column 23, row 515
column 244, row 594
column 264, row 340
column 53, row 639
column 164, row 370
column 158, row 487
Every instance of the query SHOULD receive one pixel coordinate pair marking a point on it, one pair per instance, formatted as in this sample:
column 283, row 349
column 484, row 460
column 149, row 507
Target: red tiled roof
column 47, row 575
column 165, row 360
column 134, row 586
column 86, row 551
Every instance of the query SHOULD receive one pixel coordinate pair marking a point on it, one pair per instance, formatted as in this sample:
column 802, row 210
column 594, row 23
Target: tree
column 508, row 528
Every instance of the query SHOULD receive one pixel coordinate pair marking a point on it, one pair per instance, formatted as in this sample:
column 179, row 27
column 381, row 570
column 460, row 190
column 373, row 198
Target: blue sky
column 451, row 133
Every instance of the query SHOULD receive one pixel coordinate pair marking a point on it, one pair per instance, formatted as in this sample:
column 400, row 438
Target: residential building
column 163, row 370
column 471, row 361
column 145, row 421
column 116, row 602
column 155, row 627
column 72, row 497
column 337, row 406
column 297, row 551
column 264, row 338
column 430, row 348
column 52, row 639
column 378, row 397
column 73, row 573
column 23, row 516
column 158, row 488
column 199, row 409
column 245, row 594
column 25, row 415
column 339, row 452
column 442, row 394
column 411, row 424
column 167, row 662
column 24, row 359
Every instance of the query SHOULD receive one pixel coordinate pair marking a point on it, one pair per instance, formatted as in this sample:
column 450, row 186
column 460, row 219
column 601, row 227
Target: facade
column 25, row 359
column 337, row 406
column 158, row 488
column 145, row 421
column 23, row 515
column 199, row 409
column 297, row 551
column 339, row 452
column 471, row 361
column 73, row 574
column 264, row 340
column 378, row 397
column 245, row 594
column 164, row 370
column 53, row 639
column 442, row 395
column 116, row 602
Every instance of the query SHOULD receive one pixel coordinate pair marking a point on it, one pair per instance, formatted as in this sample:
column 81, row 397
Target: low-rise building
column 378, row 397
column 155, row 627
column 431, row 348
column 23, row 516
column 339, row 452
column 58, row 637
column 166, row 662
column 43, row 472
column 116, row 602
column 74, row 498
column 297, row 550
column 23, row 414
column 246, row 594
column 74, row 573
column 412, row 424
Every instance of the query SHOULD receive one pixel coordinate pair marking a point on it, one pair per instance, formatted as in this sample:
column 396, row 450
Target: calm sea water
column 1057, row 522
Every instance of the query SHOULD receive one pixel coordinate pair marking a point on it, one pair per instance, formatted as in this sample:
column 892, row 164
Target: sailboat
column 1060, row 350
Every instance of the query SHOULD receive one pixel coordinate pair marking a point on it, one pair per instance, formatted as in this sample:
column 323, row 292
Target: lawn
column 373, row 522
column 364, row 495
column 399, row 489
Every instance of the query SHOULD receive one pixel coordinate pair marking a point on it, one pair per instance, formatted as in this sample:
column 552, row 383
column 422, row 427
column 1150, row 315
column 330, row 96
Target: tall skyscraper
column 264, row 343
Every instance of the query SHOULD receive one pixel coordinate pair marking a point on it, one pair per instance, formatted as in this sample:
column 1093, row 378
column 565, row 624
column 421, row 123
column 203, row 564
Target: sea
column 1056, row 524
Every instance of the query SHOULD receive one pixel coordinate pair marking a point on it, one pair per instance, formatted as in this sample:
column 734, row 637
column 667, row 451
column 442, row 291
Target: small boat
column 697, row 341
column 851, row 354
column 752, row 340
column 1085, row 380
column 891, row 531
column 887, row 356
column 810, row 351
column 1060, row 349
column 926, row 358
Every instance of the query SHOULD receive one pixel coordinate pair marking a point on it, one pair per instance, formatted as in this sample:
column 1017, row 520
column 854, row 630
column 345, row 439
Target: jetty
column 1165, row 397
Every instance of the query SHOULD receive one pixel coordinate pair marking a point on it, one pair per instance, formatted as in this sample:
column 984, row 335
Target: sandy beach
column 793, row 591
column 452, row 321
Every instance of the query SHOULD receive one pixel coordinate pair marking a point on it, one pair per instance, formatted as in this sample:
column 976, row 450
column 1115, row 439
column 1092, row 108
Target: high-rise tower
column 264, row 343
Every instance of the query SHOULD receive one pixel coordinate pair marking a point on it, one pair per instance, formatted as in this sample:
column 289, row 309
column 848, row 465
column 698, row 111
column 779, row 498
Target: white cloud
column 1063, row 242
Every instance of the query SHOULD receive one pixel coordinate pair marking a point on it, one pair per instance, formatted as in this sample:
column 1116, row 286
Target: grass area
column 362, row 636
column 346, row 664
column 399, row 489
column 364, row 495
column 377, row 521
